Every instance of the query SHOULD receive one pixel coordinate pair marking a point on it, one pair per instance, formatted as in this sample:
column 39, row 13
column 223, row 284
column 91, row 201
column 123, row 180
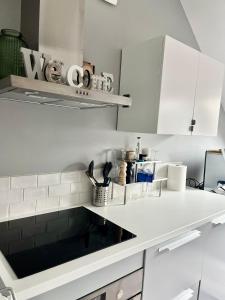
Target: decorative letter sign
column 109, row 82
column 53, row 71
column 32, row 61
column 70, row 75
column 41, row 66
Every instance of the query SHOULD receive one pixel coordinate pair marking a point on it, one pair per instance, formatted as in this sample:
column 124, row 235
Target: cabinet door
column 178, row 87
column 208, row 96
column 141, row 69
column 213, row 277
column 173, row 270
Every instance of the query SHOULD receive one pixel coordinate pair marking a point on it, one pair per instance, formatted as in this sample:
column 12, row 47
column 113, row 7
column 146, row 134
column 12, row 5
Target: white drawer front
column 172, row 269
column 213, row 276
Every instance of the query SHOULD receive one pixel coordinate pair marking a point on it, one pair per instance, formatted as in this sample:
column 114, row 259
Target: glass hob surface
column 38, row 243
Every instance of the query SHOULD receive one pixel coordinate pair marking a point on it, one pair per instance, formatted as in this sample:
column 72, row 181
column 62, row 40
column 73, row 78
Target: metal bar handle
column 8, row 292
column 185, row 295
column 219, row 221
column 182, row 241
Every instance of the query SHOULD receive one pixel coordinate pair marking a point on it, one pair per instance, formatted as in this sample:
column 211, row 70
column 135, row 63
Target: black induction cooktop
column 38, row 243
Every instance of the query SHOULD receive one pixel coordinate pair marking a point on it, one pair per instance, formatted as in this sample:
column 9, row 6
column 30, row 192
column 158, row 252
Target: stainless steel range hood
column 20, row 89
column 55, row 27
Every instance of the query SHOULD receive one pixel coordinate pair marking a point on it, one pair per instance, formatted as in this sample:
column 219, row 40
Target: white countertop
column 153, row 220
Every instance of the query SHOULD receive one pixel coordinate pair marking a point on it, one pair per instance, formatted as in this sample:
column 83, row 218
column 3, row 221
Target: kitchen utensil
column 90, row 172
column 106, row 170
column 11, row 61
column 91, row 179
column 91, row 168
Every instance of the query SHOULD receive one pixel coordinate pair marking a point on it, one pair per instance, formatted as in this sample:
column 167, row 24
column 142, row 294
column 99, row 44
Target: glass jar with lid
column 11, row 60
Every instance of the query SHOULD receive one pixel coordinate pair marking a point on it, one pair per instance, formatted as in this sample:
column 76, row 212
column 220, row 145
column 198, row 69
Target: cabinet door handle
column 182, row 241
column 7, row 292
column 219, row 221
column 185, row 295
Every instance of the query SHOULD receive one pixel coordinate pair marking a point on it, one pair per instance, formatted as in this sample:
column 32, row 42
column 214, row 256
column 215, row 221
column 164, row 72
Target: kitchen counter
column 153, row 220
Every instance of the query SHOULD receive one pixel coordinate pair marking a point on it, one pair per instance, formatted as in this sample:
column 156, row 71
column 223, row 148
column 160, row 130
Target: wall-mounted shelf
column 21, row 89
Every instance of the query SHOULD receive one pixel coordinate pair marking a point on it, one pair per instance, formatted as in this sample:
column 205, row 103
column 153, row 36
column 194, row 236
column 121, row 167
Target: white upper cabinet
column 175, row 89
column 178, row 85
column 208, row 96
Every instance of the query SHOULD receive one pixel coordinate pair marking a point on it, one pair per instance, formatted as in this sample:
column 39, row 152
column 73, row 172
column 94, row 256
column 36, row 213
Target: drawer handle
column 185, row 295
column 120, row 295
column 219, row 221
column 9, row 292
column 182, row 241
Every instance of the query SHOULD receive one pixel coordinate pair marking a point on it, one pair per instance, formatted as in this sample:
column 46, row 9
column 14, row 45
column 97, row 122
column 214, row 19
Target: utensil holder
column 101, row 195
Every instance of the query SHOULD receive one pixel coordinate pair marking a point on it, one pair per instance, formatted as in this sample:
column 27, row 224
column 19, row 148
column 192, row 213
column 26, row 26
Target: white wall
column 42, row 139
column 9, row 14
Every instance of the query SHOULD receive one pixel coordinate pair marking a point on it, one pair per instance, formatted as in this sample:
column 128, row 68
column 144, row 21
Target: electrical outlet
column 113, row 2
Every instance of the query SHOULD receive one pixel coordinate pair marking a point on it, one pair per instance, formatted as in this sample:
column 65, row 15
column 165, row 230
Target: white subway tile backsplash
column 4, row 210
column 36, row 193
column 81, row 187
column 15, row 196
column 22, row 208
column 70, row 200
column 48, row 179
column 48, row 204
column 59, row 190
column 24, row 195
column 86, row 197
column 71, row 177
column 11, row 196
column 75, row 188
column 24, row 182
column 4, row 183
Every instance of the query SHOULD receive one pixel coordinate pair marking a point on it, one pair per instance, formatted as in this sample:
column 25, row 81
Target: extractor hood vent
column 21, row 89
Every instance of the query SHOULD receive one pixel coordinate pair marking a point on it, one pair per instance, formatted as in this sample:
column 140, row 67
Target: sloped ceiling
column 207, row 19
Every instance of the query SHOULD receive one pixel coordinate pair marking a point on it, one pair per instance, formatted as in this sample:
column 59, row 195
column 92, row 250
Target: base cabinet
column 213, row 275
column 173, row 270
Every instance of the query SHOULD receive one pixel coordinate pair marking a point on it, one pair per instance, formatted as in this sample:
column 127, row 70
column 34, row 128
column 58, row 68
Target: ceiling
column 207, row 19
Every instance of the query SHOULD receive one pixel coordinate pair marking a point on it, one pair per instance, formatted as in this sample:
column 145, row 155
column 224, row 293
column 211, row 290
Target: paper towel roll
column 177, row 175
